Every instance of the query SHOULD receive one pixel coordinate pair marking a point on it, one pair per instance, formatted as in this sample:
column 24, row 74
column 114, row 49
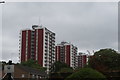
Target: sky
column 87, row 25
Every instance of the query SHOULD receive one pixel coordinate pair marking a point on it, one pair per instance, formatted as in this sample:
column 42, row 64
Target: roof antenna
column 39, row 22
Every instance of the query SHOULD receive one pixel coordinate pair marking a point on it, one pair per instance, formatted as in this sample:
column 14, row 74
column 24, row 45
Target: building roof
column 32, row 70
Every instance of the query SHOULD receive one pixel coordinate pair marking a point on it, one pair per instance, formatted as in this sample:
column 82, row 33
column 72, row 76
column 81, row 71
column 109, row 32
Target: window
column 23, row 75
column 33, row 76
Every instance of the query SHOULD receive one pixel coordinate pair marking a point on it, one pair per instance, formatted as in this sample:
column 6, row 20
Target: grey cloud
column 90, row 26
column 0, row 32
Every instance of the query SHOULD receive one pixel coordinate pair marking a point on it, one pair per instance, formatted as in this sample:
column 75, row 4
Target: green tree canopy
column 86, row 73
column 57, row 66
column 66, row 70
column 60, row 71
column 33, row 64
column 105, row 59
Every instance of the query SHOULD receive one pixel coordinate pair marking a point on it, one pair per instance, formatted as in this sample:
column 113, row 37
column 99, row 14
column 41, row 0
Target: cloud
column 88, row 25
column 0, row 32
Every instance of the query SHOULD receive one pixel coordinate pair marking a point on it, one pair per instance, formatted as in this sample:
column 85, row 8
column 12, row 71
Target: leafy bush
column 86, row 73
column 105, row 60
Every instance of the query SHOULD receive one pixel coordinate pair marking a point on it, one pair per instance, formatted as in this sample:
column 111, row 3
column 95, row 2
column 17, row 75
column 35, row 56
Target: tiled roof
column 32, row 70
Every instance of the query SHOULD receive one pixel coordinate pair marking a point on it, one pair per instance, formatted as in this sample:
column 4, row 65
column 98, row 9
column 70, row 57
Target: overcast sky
column 89, row 26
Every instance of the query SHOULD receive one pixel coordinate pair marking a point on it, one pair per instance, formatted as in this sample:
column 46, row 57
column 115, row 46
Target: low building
column 26, row 73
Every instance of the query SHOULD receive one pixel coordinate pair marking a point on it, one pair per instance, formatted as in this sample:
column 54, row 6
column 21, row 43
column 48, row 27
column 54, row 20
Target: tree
column 105, row 60
column 57, row 66
column 86, row 73
column 66, row 70
column 60, row 71
column 33, row 64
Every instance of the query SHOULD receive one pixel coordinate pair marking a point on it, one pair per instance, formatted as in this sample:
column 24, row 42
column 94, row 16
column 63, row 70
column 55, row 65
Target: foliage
column 60, row 71
column 33, row 64
column 57, row 66
column 61, row 74
column 86, row 73
column 66, row 70
column 77, row 69
column 55, row 76
column 105, row 59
